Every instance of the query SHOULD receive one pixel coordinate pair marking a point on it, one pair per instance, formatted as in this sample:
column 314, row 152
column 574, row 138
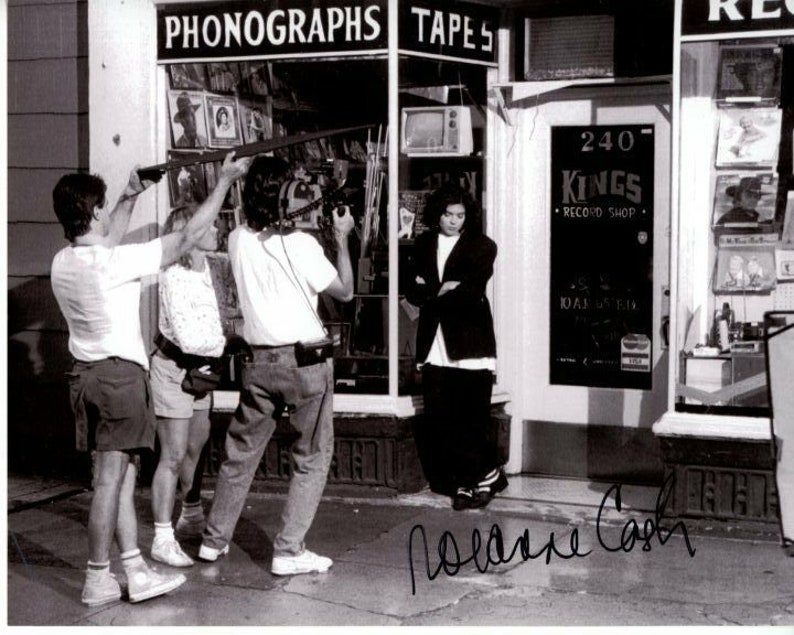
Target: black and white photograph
column 744, row 199
column 256, row 120
column 224, row 77
column 745, row 264
column 224, row 122
column 255, row 78
column 267, row 369
column 188, row 184
column 188, row 76
column 749, row 73
column 187, row 123
column 749, row 137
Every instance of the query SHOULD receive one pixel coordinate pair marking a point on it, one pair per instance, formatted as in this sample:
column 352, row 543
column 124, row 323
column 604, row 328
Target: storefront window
column 227, row 86
column 736, row 232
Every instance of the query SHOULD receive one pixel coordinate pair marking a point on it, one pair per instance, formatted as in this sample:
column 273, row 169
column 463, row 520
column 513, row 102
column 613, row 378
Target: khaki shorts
column 170, row 401
column 112, row 405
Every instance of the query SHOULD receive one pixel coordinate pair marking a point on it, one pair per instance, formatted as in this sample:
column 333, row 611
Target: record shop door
column 593, row 225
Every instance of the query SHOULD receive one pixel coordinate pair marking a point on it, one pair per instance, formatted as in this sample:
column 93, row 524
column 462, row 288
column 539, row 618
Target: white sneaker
column 169, row 552
column 307, row 562
column 189, row 527
column 100, row 587
column 144, row 583
column 210, row 554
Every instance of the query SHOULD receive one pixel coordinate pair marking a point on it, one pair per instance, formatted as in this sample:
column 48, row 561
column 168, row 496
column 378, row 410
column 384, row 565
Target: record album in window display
column 188, row 125
column 188, row 184
column 224, row 122
column 188, row 76
column 749, row 73
column 748, row 137
column 744, row 199
column 256, row 120
column 745, row 263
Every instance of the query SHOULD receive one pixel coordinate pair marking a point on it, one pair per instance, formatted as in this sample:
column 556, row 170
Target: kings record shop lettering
column 601, row 256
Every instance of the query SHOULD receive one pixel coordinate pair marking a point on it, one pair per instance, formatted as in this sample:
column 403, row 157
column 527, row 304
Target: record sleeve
column 749, row 73
column 748, row 137
column 744, row 199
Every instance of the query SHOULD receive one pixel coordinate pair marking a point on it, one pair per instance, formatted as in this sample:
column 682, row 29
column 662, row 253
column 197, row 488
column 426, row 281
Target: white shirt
column 189, row 315
column 278, row 291
column 438, row 355
column 98, row 291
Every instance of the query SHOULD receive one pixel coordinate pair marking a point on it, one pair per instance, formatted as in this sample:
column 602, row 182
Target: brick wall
column 47, row 137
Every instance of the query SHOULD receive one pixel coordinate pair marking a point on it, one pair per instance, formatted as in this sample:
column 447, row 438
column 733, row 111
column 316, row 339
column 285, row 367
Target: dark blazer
column 464, row 313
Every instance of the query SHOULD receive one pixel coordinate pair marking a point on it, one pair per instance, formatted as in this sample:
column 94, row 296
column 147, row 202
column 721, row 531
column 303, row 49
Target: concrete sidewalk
column 738, row 575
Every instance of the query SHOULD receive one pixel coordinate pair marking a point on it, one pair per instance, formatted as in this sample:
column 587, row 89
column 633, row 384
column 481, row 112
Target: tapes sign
column 450, row 29
column 602, row 256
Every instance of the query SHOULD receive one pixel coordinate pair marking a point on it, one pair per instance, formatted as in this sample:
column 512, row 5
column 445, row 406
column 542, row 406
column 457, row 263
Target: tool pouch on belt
column 314, row 352
column 202, row 374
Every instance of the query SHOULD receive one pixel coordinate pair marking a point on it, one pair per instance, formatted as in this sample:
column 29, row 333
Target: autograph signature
column 493, row 551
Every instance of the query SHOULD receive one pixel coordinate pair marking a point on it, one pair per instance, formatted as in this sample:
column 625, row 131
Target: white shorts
column 169, row 399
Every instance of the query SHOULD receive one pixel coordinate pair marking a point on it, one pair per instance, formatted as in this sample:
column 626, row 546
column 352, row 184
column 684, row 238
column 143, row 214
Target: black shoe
column 463, row 499
column 484, row 492
column 788, row 547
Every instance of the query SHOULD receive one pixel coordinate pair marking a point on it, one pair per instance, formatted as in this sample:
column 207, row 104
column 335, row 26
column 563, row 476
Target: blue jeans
column 270, row 382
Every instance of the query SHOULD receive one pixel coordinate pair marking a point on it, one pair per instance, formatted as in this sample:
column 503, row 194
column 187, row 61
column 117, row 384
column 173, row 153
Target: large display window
column 735, row 244
column 419, row 116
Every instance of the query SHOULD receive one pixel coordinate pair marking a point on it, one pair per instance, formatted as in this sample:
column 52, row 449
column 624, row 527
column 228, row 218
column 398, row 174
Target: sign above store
column 456, row 30
column 219, row 30
column 239, row 29
column 734, row 17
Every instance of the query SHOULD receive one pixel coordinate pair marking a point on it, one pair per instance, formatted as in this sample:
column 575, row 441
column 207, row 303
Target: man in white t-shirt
column 96, row 282
column 279, row 273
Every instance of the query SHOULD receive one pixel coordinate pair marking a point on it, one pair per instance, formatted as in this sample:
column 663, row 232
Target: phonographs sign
column 602, row 256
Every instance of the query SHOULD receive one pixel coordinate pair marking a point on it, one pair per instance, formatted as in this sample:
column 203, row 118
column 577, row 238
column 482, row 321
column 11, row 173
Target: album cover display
column 748, row 137
column 749, row 73
column 744, row 199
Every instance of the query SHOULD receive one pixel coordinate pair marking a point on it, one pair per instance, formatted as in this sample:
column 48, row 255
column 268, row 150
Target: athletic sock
column 163, row 531
column 98, row 566
column 132, row 559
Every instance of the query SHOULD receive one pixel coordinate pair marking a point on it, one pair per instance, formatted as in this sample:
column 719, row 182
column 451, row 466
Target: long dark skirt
column 452, row 437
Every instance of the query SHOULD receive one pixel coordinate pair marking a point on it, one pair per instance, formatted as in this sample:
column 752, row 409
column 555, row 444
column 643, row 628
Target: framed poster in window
column 749, row 73
column 744, row 199
column 188, row 76
column 188, row 184
column 224, row 122
column 256, row 120
column 188, row 124
column 748, row 137
column 745, row 263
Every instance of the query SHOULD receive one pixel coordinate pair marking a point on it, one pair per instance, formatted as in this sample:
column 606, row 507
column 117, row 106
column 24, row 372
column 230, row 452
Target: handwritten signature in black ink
column 493, row 551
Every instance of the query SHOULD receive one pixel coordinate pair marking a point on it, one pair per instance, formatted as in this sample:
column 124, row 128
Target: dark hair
column 74, row 198
column 261, row 189
column 221, row 110
column 451, row 193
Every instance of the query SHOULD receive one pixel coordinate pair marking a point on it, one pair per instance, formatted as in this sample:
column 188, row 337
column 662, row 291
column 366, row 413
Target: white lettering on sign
column 759, row 9
column 233, row 28
column 211, row 31
column 440, row 28
column 578, row 188
column 278, row 27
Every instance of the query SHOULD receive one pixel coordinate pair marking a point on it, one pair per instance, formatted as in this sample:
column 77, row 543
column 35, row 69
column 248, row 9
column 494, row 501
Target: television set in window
column 436, row 131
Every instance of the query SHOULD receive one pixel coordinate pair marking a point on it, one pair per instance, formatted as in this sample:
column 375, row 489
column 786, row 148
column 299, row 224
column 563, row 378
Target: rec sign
column 719, row 17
